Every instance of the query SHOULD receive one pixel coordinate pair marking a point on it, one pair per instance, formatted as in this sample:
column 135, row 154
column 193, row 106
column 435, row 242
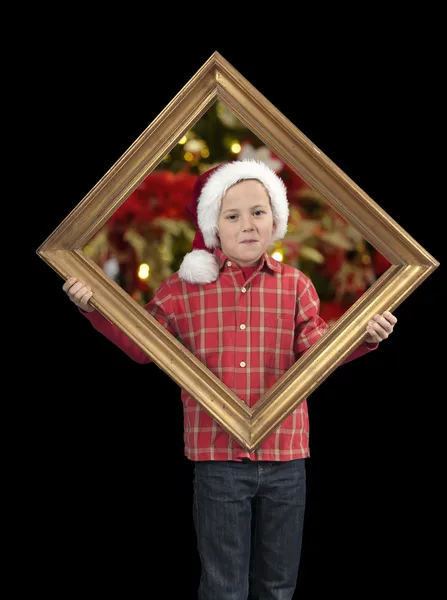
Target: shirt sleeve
column 160, row 307
column 310, row 327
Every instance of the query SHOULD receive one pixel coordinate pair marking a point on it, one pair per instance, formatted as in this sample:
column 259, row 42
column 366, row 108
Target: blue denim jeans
column 248, row 519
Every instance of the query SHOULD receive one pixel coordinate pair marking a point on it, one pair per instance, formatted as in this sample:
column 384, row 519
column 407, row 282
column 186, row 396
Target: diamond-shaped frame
column 217, row 79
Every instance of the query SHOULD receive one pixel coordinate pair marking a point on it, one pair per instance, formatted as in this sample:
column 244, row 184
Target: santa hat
column 200, row 265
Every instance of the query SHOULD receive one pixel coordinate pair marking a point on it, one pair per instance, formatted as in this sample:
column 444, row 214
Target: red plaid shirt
column 248, row 332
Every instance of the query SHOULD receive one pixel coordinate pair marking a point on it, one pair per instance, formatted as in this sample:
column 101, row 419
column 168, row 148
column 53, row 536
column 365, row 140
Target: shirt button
column 244, row 290
column 242, row 364
column 242, row 326
column 229, row 263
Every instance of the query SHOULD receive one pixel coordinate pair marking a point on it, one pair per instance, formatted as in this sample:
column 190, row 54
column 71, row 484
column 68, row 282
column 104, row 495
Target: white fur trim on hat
column 199, row 266
column 209, row 201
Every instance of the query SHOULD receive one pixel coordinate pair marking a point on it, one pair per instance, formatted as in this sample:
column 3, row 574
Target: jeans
column 248, row 518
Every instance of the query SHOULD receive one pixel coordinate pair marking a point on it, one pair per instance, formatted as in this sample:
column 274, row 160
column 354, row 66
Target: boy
column 248, row 318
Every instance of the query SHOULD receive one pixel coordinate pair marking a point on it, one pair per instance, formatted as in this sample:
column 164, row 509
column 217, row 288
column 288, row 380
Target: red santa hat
column 200, row 265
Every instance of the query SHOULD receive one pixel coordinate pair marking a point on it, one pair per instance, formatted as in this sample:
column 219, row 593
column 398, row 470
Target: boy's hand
column 78, row 293
column 380, row 328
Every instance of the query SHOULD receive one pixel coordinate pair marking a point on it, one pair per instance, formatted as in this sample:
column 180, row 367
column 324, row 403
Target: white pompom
column 199, row 266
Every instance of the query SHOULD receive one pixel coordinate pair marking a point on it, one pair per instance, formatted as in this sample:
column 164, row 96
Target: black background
column 105, row 491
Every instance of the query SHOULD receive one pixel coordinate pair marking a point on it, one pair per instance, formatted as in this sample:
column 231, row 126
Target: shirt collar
column 267, row 262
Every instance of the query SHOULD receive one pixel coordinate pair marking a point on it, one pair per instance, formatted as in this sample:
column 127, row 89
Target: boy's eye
column 257, row 213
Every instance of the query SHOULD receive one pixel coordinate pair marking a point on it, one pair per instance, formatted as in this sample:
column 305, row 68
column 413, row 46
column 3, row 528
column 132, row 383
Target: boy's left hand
column 380, row 327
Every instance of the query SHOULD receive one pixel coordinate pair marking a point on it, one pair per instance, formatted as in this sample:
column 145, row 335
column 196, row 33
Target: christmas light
column 183, row 140
column 194, row 145
column 143, row 271
column 235, row 147
column 278, row 256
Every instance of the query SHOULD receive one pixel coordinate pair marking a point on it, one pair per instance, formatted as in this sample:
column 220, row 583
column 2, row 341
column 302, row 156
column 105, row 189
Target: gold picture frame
column 217, row 79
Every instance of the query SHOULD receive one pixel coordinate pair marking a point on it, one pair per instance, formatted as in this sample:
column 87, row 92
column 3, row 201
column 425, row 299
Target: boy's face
column 245, row 222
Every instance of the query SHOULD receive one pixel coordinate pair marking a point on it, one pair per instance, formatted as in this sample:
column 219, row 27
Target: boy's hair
column 199, row 265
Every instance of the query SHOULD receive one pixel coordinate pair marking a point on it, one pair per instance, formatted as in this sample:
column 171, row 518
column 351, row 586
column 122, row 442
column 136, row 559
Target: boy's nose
column 247, row 225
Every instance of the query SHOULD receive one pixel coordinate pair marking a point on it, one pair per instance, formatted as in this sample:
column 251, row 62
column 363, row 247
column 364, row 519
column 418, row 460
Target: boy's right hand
column 78, row 293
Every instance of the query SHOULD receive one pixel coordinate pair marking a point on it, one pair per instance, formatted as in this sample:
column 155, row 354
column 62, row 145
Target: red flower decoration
column 380, row 263
column 161, row 194
column 293, row 182
column 333, row 262
column 330, row 312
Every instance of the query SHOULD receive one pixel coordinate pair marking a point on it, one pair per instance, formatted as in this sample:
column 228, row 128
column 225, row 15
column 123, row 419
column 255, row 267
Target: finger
column 80, row 293
column 75, row 289
column 83, row 302
column 387, row 326
column 378, row 330
column 67, row 285
column 373, row 334
column 390, row 317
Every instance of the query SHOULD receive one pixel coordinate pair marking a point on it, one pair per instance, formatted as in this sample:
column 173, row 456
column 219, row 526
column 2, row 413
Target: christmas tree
column 146, row 239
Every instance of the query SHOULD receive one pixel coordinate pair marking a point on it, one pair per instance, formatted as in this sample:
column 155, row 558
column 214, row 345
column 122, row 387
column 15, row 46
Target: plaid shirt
column 248, row 333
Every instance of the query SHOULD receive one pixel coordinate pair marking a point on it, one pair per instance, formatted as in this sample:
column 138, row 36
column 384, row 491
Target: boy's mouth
column 249, row 241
